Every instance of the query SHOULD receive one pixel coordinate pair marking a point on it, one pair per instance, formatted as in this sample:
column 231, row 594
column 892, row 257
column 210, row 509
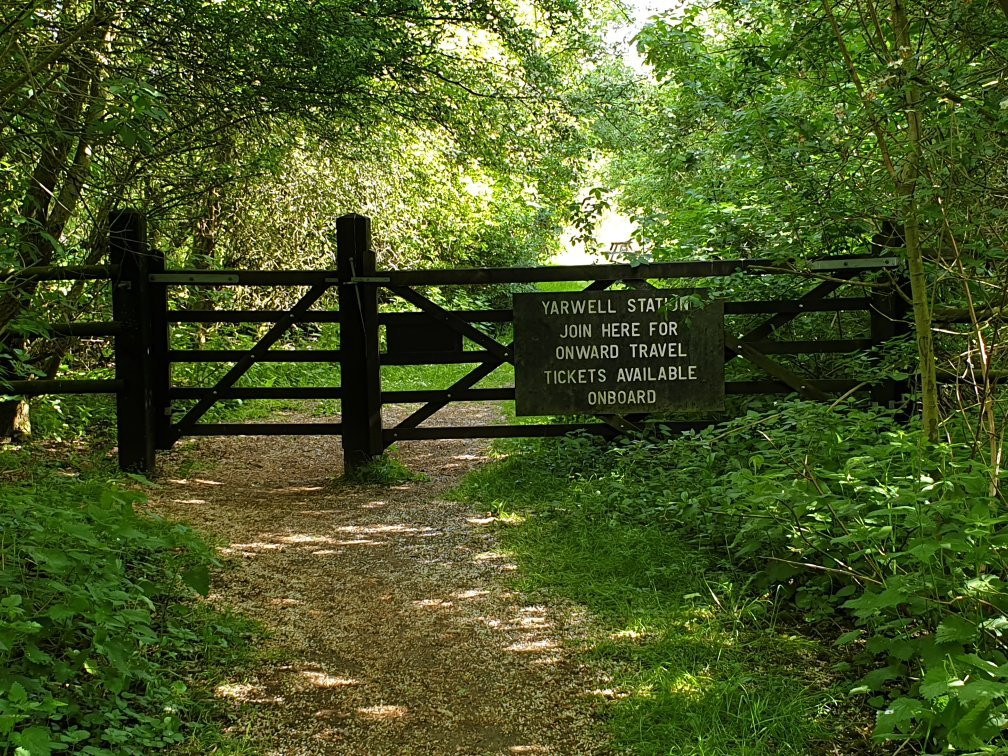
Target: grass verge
column 701, row 664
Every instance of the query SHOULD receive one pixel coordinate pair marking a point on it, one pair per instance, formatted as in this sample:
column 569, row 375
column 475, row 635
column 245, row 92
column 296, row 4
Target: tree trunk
column 14, row 421
column 77, row 112
column 907, row 190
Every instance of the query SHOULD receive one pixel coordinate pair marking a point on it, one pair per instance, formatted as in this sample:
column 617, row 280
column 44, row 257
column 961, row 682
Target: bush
column 861, row 524
column 98, row 633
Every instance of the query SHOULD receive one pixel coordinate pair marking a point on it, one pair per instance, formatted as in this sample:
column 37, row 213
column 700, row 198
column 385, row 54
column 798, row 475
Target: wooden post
column 360, row 371
column 888, row 320
column 134, row 366
column 157, row 308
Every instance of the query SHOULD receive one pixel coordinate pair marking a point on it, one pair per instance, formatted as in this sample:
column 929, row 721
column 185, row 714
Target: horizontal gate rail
column 265, row 429
column 241, row 366
column 248, row 316
column 470, row 316
column 598, row 273
column 271, row 355
column 837, row 387
column 792, row 307
column 259, row 392
column 428, row 334
column 826, row 346
column 463, row 327
column 245, row 278
column 523, row 431
column 474, row 376
column 436, row 395
column 437, row 358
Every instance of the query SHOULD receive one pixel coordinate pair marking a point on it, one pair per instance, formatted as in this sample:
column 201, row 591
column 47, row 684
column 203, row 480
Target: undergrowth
column 890, row 549
column 105, row 646
column 385, row 470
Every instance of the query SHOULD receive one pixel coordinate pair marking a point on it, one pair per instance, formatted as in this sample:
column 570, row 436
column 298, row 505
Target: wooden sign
column 617, row 352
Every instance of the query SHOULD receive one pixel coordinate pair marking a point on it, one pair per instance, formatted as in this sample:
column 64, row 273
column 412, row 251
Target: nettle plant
column 98, row 634
column 857, row 521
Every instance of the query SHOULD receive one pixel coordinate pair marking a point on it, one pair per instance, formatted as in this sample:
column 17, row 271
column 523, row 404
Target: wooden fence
column 153, row 414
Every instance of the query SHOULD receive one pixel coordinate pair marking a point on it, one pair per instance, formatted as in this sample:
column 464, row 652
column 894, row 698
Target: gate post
column 360, row 371
column 134, row 361
column 157, row 308
column 888, row 319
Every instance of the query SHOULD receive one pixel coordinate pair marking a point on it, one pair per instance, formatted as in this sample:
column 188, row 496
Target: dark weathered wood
column 134, row 367
column 470, row 316
column 888, row 320
column 60, row 386
column 617, row 352
column 265, row 429
column 259, row 392
column 804, row 387
column 192, row 416
column 247, row 278
column 86, row 329
column 469, row 380
column 360, row 372
column 830, row 386
column 639, row 284
column 459, row 395
column 524, row 431
column 248, row 316
column 438, row 358
column 157, row 310
column 783, row 317
column 464, row 276
column 797, row 306
column 63, row 273
column 688, row 269
column 496, row 431
column 273, row 355
column 826, row 346
column 458, row 324
column 405, row 337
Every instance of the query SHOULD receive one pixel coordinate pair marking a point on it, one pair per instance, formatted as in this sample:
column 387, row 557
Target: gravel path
column 392, row 627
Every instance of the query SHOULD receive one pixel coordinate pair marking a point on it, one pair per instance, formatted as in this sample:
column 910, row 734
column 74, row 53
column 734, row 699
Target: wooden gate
column 153, row 413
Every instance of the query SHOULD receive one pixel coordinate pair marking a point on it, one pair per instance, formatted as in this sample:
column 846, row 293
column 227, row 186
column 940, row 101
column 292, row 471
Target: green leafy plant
column 99, row 637
column 893, row 546
column 385, row 470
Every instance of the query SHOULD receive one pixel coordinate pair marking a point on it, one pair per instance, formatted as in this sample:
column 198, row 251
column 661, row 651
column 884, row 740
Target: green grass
column 385, row 470
column 554, row 286
column 707, row 668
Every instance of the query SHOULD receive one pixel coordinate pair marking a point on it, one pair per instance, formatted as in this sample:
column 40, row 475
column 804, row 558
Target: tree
column 169, row 105
column 786, row 129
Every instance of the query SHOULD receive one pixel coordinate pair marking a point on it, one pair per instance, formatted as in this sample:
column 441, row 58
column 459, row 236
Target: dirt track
column 393, row 630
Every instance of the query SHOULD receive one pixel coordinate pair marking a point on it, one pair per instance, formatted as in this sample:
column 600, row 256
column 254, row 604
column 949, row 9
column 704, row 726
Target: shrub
column 862, row 525
column 98, row 633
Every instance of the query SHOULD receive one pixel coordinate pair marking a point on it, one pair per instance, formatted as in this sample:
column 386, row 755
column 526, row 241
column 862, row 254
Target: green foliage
column 99, row 636
column 850, row 520
column 386, row 470
column 700, row 663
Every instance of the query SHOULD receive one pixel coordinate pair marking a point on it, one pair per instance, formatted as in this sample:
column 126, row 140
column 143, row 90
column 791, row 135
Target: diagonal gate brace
column 454, row 322
column 469, row 380
column 241, row 366
column 498, row 355
column 803, row 386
